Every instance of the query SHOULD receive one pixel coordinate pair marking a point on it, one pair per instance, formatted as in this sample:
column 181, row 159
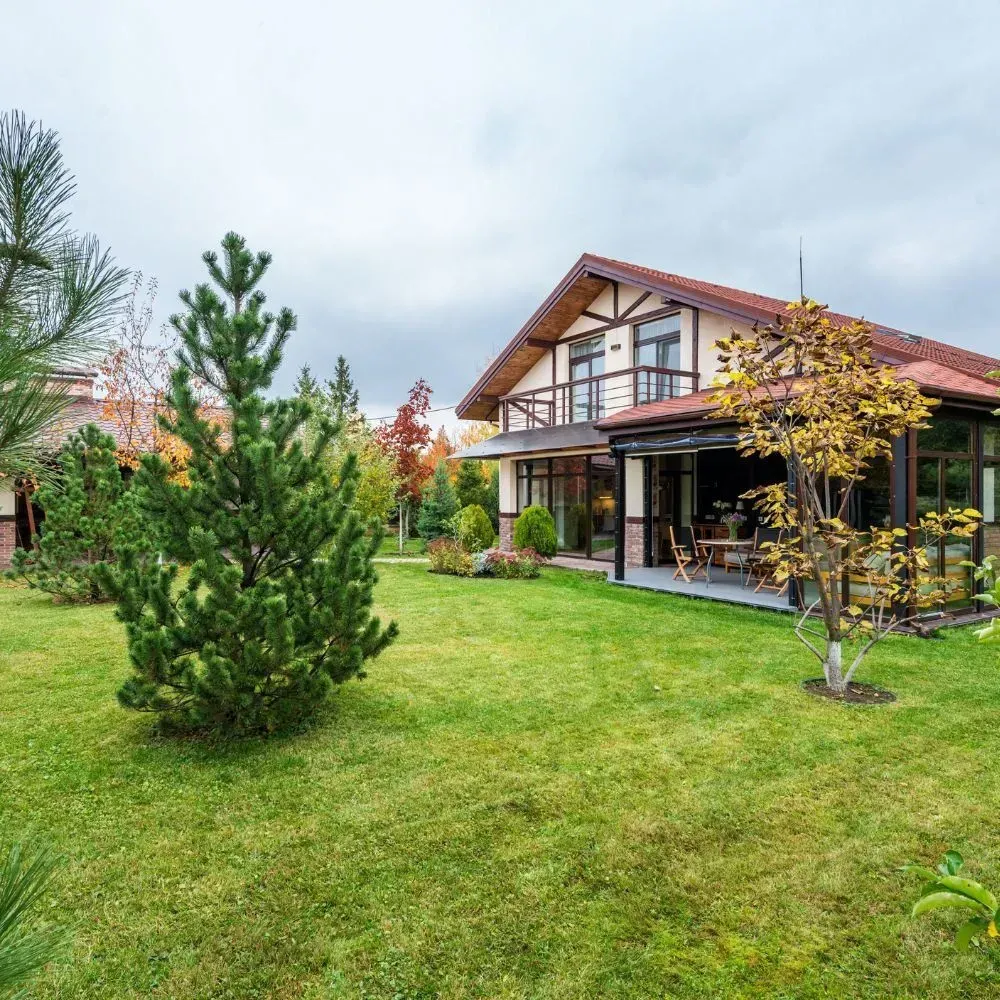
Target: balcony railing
column 592, row 398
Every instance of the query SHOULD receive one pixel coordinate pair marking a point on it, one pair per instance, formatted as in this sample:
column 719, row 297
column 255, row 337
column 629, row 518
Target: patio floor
column 720, row 589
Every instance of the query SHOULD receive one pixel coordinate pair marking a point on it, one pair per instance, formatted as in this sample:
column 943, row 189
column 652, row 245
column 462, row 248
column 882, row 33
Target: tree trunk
column 833, row 666
column 400, row 527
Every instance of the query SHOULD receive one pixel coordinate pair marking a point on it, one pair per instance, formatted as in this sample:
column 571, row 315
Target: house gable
column 599, row 294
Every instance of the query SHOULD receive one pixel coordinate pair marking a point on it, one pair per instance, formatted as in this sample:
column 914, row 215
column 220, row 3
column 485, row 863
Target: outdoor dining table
column 737, row 545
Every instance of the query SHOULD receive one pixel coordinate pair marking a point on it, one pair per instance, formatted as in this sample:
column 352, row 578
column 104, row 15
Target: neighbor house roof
column 592, row 273
column 932, row 377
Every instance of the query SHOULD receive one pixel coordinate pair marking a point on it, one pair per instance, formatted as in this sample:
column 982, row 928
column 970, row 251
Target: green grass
column 411, row 546
column 545, row 789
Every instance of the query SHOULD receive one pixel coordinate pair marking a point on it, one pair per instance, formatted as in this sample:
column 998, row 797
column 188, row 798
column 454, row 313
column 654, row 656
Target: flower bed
column 448, row 557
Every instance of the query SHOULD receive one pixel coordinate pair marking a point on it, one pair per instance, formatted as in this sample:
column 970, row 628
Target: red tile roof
column 900, row 345
column 932, row 377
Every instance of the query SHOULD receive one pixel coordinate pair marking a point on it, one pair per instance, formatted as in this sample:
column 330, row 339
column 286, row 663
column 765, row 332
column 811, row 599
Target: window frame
column 674, row 336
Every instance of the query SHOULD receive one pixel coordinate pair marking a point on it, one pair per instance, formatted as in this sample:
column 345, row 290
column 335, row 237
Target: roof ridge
column 890, row 337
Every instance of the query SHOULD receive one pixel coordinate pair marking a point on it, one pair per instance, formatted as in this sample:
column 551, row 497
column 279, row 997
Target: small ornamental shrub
column 473, row 529
column 522, row 564
column 535, row 529
column 447, row 556
column 91, row 519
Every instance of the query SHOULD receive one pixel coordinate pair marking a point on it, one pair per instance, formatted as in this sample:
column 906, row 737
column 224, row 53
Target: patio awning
column 539, row 439
column 676, row 442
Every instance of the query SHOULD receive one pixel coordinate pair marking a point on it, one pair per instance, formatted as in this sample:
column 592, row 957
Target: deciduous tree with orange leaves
column 405, row 438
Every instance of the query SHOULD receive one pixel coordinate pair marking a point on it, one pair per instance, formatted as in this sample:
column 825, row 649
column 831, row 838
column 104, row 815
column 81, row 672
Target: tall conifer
column 277, row 605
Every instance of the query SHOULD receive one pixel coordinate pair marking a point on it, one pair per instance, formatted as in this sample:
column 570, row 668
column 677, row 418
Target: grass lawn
column 411, row 546
column 545, row 789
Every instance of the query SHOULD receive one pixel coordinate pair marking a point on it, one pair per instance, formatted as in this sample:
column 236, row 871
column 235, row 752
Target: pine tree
column 438, row 507
column 90, row 520
column 277, row 605
column 340, row 390
column 305, row 385
column 470, row 485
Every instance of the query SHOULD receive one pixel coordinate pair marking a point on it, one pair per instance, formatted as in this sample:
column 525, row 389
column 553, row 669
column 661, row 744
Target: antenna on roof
column 802, row 285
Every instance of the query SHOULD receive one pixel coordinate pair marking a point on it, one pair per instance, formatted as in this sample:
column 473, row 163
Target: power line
column 436, row 409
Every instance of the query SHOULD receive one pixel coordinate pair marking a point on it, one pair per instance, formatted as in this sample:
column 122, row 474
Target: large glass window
column 602, row 507
column 946, row 434
column 657, row 344
column 586, row 360
column 580, row 493
column 944, row 479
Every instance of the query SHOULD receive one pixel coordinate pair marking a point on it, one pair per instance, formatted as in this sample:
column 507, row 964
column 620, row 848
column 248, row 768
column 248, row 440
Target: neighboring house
column 83, row 408
column 602, row 403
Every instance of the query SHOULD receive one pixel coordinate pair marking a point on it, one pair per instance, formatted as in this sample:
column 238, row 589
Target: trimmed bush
column 535, row 529
column 447, row 556
column 473, row 529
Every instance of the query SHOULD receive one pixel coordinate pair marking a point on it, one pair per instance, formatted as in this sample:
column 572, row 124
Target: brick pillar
column 7, row 539
column 507, row 532
column 634, row 532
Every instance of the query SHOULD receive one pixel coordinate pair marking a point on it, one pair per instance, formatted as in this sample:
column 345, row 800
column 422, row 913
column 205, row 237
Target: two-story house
column 602, row 404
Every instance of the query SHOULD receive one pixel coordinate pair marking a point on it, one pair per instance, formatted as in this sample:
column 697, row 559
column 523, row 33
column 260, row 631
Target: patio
column 729, row 591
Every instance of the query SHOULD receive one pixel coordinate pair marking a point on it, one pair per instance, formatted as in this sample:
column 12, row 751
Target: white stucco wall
column 633, row 487
column 6, row 501
column 713, row 327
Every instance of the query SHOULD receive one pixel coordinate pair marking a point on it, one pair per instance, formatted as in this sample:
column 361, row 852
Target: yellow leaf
column 992, row 929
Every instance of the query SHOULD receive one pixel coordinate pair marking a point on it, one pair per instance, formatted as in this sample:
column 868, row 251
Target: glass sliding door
column 944, row 479
column 602, row 507
column 569, row 504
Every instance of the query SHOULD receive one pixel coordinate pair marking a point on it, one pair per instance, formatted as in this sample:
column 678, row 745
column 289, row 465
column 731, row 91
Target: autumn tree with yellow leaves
column 808, row 388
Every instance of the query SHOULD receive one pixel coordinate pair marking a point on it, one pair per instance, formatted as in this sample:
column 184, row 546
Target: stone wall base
column 8, row 538
column 507, row 532
column 634, row 532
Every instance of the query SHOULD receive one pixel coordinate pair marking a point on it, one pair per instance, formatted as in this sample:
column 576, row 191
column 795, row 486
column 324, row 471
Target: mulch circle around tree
column 856, row 694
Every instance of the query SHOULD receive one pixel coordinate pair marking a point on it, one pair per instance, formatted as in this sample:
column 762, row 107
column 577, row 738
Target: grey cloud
column 424, row 173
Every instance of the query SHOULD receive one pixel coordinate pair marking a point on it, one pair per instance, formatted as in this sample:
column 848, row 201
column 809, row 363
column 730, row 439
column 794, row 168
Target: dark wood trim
column 647, row 510
column 643, row 318
column 619, row 515
column 545, row 345
column 635, row 305
column 978, row 465
column 507, row 516
column 634, row 519
column 8, row 517
column 694, row 345
column 614, row 293
column 597, row 316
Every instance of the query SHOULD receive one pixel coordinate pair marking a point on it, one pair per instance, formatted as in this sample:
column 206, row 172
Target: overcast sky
column 424, row 173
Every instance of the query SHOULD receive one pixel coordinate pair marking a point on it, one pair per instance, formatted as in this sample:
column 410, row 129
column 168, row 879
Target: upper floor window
column 658, row 343
column 586, row 361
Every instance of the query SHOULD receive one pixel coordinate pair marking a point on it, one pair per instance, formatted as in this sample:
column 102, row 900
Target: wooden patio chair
column 765, row 572
column 702, row 552
column 684, row 559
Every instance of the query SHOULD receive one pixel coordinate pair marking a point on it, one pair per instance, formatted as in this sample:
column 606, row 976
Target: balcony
column 592, row 398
